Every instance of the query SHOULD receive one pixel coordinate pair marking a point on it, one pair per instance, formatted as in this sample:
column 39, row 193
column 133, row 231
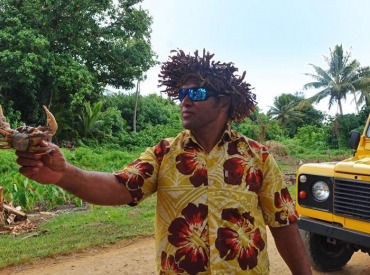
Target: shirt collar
column 190, row 141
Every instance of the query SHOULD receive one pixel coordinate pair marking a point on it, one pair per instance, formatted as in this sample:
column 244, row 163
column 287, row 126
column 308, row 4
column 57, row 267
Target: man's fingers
column 45, row 146
column 30, row 162
column 29, row 171
column 26, row 154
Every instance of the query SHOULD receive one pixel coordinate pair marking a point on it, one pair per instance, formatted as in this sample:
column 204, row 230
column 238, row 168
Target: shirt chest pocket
column 238, row 174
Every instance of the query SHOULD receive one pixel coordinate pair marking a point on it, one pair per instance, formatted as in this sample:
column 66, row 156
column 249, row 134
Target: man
column 216, row 189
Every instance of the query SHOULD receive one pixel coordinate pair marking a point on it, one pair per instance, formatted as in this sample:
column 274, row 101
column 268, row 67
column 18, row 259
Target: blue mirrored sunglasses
column 197, row 94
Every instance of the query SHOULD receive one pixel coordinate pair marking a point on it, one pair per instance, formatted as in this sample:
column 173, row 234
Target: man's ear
column 225, row 102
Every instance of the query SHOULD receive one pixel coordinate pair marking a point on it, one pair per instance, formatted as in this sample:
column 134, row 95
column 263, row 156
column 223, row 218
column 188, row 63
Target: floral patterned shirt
column 212, row 209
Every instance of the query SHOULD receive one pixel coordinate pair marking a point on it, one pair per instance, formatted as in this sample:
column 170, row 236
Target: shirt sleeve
column 140, row 177
column 277, row 204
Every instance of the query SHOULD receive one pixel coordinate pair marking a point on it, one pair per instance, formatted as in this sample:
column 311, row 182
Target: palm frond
column 342, row 77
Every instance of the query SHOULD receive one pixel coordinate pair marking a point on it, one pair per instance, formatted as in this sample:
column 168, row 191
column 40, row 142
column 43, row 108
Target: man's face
column 199, row 115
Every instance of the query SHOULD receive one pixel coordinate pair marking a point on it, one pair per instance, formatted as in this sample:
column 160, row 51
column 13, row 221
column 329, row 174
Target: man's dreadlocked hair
column 214, row 75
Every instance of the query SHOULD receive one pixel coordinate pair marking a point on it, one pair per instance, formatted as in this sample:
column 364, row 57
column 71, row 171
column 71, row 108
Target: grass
column 74, row 232
column 292, row 191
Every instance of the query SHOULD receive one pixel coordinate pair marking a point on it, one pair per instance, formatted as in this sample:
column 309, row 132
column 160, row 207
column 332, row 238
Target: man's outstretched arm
column 94, row 187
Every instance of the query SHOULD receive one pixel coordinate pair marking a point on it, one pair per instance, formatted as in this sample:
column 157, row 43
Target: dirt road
column 137, row 257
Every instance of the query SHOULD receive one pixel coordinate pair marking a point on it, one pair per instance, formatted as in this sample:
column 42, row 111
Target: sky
column 273, row 41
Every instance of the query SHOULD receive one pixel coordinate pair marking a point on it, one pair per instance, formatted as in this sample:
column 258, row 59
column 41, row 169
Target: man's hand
column 47, row 168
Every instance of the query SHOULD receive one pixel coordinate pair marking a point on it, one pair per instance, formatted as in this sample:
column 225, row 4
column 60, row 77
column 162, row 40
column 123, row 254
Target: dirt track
column 137, row 257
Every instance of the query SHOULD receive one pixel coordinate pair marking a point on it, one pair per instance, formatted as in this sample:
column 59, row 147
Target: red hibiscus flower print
column 238, row 147
column 133, row 177
column 234, row 171
column 241, row 240
column 191, row 163
column 189, row 234
column 254, row 179
column 236, row 168
column 259, row 147
column 161, row 149
column 169, row 265
column 284, row 201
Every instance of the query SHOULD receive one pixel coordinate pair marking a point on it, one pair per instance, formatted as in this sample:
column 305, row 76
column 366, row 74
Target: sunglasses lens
column 182, row 94
column 195, row 94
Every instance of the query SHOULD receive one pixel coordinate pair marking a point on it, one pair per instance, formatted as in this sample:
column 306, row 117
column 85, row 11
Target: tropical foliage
column 293, row 111
column 63, row 53
column 363, row 87
column 343, row 76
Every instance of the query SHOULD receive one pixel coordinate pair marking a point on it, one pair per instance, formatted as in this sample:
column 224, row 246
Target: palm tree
column 337, row 81
column 362, row 85
column 285, row 112
column 89, row 118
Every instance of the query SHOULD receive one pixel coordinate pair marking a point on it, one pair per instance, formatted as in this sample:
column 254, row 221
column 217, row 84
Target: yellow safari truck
column 333, row 199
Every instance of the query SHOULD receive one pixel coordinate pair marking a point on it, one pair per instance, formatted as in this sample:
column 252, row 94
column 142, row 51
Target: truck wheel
column 324, row 255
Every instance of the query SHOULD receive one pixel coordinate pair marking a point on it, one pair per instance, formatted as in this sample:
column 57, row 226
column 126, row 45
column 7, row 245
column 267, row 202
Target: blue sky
column 274, row 41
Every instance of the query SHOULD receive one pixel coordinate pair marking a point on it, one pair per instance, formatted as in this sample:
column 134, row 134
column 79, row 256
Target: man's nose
column 186, row 100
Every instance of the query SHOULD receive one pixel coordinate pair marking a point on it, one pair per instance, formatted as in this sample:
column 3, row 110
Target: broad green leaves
column 63, row 53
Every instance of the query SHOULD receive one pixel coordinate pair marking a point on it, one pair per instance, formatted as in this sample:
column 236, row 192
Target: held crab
column 27, row 138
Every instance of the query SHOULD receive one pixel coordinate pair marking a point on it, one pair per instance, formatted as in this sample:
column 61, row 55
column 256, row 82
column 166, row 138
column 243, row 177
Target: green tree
column 362, row 85
column 345, row 124
column 310, row 136
column 285, row 111
column 338, row 80
column 151, row 109
column 89, row 121
column 113, row 123
column 309, row 115
column 260, row 127
column 64, row 52
column 362, row 117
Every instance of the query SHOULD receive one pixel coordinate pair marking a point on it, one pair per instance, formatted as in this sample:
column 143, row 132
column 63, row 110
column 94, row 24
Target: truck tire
column 323, row 255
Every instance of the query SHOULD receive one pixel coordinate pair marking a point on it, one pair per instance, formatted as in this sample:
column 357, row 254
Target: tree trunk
column 262, row 132
column 340, row 107
column 136, row 103
column 356, row 103
column 367, row 101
